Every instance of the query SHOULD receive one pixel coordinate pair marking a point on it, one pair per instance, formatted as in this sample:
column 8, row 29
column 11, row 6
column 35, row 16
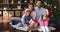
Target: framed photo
column 1, row 13
column 5, row 13
column 17, row 13
column 11, row 13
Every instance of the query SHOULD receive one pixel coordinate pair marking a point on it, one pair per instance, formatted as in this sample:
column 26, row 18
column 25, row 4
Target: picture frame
column 11, row 13
column 17, row 13
column 1, row 13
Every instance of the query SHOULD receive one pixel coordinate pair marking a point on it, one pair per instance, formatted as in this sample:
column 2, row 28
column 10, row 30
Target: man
column 39, row 10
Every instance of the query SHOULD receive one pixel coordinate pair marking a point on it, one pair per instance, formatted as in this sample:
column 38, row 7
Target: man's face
column 38, row 3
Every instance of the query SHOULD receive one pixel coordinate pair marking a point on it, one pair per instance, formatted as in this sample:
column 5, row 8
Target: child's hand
column 30, row 25
column 36, row 25
column 27, row 21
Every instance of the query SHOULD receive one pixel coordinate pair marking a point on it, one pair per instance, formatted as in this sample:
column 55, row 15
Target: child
column 43, row 21
column 27, row 18
column 33, row 22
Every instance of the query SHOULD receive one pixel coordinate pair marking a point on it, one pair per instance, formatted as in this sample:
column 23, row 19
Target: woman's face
column 30, row 7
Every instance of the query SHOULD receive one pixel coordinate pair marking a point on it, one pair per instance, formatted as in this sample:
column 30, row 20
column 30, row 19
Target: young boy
column 27, row 18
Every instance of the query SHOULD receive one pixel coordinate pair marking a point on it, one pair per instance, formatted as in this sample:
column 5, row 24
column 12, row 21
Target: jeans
column 55, row 21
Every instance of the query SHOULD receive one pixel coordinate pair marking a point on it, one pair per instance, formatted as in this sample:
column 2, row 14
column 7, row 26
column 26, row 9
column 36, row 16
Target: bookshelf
column 12, row 6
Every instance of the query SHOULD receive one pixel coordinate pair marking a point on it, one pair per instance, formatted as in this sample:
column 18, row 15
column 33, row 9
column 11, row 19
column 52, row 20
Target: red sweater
column 33, row 21
column 43, row 22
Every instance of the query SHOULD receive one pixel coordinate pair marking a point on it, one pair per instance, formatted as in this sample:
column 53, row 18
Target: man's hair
column 39, row 0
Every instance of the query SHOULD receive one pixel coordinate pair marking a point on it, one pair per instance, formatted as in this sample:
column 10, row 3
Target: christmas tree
column 53, row 6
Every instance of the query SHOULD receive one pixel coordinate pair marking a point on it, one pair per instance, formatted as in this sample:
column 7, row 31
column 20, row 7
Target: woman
column 33, row 14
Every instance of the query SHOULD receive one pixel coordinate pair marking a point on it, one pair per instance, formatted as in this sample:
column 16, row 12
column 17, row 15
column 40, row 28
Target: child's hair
column 29, row 12
column 43, row 16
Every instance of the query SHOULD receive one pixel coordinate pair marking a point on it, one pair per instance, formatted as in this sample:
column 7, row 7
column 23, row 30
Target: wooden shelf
column 14, row 3
column 11, row 9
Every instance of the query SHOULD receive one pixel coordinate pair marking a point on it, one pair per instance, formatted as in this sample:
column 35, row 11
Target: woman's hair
column 32, row 5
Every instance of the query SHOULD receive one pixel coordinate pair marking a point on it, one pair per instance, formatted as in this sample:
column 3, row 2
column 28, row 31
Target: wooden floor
column 6, row 28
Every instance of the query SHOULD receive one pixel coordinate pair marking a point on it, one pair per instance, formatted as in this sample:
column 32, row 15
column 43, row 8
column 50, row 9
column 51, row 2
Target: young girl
column 43, row 21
